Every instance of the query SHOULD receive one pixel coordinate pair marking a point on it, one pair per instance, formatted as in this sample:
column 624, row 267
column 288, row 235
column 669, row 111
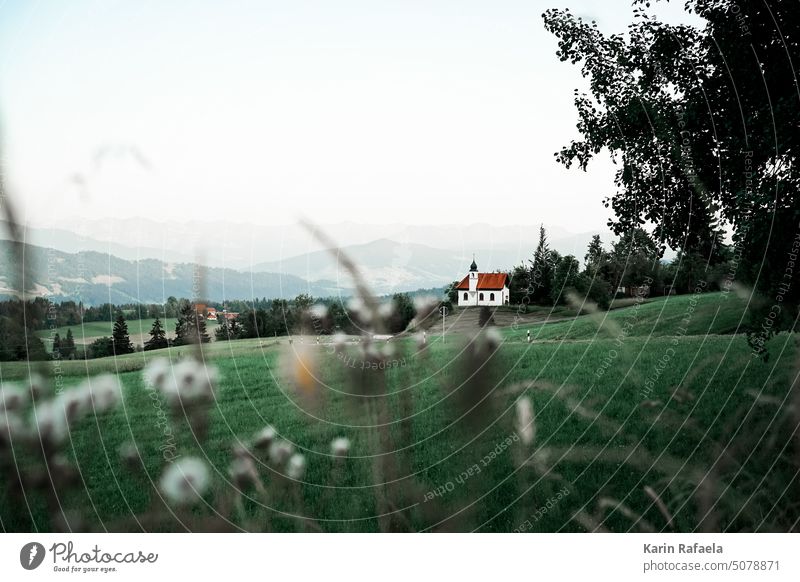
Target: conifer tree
column 158, row 337
column 191, row 326
column 120, row 338
column 594, row 255
column 542, row 270
column 229, row 329
column 56, row 347
column 68, row 347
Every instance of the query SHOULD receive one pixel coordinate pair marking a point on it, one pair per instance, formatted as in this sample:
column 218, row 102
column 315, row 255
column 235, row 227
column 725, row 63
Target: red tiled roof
column 485, row 281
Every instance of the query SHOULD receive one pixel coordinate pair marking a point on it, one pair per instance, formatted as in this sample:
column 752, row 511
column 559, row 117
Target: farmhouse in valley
column 211, row 313
column 483, row 288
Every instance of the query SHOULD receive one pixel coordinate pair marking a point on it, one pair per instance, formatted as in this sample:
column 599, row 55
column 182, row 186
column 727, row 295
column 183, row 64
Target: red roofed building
column 483, row 288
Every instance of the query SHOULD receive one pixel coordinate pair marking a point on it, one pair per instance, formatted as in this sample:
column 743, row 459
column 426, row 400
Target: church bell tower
column 473, row 276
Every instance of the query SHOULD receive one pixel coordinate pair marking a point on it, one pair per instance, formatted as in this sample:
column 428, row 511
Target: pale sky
column 421, row 112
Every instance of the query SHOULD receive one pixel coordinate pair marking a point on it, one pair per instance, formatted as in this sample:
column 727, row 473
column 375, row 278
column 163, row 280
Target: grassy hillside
column 637, row 408
column 710, row 313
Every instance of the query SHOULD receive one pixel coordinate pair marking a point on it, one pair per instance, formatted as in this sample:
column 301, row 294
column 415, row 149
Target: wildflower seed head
column 105, row 392
column 194, row 381
column 75, row 402
column 240, row 450
column 243, row 472
column 388, row 351
column 339, row 341
column 371, row 352
column 358, row 310
column 185, row 481
column 50, row 422
column 37, row 386
column 300, row 366
column 526, row 422
column 319, row 311
column 387, row 310
column 129, row 454
column 156, row 374
column 296, row 467
column 340, row 447
column 12, row 429
column 264, row 438
column 427, row 310
column 12, row 397
column 493, row 337
column 280, row 451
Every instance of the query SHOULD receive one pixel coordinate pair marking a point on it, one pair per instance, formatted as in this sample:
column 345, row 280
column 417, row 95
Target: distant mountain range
column 245, row 245
column 144, row 260
column 96, row 278
column 389, row 266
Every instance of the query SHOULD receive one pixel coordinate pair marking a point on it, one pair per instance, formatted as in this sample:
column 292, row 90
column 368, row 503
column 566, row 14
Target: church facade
column 477, row 289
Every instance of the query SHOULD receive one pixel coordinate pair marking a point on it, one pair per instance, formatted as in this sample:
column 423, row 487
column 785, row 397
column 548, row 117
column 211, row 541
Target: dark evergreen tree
column 541, row 278
column 595, row 256
column 121, row 340
column 56, row 352
column 18, row 343
column 228, row 329
column 235, row 328
column 68, row 348
column 158, row 337
column 191, row 325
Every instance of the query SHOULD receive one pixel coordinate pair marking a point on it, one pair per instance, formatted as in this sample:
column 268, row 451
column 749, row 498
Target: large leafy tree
column 635, row 257
column 566, row 276
column 703, row 125
column 519, row 286
column 102, row 347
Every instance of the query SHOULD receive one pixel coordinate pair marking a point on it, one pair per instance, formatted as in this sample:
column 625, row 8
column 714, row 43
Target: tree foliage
column 541, row 274
column 120, row 337
column 68, row 346
column 158, row 337
column 703, row 125
column 190, row 328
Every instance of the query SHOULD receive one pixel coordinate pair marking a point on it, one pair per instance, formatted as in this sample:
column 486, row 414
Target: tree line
column 549, row 278
column 20, row 320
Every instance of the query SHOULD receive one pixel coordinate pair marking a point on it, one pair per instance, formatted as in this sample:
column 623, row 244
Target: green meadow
column 631, row 405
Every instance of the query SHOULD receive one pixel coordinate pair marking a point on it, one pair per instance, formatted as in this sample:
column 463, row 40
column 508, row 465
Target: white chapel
column 478, row 289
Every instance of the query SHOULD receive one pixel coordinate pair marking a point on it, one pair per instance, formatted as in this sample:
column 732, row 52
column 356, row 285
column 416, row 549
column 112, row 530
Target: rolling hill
column 96, row 278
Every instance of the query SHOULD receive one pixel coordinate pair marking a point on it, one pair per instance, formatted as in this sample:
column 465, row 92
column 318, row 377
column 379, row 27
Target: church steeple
column 473, row 266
